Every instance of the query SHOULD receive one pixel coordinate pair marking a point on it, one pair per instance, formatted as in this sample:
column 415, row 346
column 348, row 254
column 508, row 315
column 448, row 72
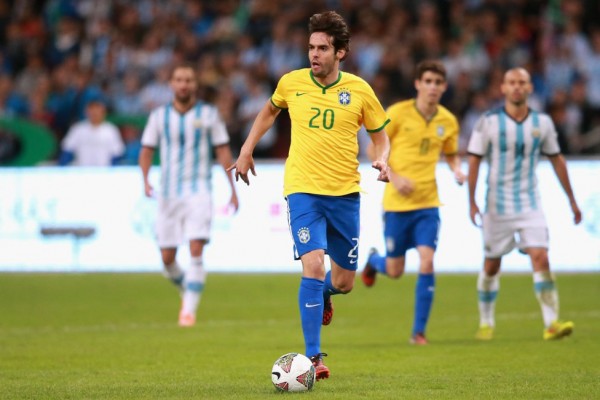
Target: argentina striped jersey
column 185, row 142
column 512, row 150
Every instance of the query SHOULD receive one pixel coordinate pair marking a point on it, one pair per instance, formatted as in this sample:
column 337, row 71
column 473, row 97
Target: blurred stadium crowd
column 56, row 55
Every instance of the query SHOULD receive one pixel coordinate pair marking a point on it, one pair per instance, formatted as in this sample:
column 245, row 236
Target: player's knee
column 540, row 261
column 345, row 287
column 394, row 269
column 395, row 274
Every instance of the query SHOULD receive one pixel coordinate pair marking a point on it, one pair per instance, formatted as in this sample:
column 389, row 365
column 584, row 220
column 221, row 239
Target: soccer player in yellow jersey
column 420, row 131
column 327, row 107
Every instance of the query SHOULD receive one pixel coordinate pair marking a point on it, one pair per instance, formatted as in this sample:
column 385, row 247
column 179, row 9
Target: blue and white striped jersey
column 185, row 142
column 512, row 150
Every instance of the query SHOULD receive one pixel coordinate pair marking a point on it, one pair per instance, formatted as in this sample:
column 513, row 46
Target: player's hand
column 383, row 169
column 148, row 189
column 459, row 177
column 475, row 215
column 577, row 217
column 403, row 185
column 242, row 166
column 234, row 202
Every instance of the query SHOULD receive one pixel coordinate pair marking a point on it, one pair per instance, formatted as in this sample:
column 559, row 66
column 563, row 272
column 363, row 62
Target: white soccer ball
column 293, row 372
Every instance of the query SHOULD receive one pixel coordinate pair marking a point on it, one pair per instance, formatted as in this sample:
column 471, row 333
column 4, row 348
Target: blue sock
column 377, row 262
column 328, row 288
column 310, row 301
column 423, row 300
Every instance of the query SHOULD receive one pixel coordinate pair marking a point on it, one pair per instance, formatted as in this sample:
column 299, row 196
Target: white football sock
column 487, row 289
column 194, row 285
column 547, row 295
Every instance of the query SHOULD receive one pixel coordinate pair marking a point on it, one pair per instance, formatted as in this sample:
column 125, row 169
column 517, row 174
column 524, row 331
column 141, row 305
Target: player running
column 321, row 183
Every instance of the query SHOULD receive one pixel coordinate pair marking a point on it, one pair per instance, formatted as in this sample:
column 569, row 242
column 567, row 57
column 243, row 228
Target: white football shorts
column 503, row 233
column 183, row 219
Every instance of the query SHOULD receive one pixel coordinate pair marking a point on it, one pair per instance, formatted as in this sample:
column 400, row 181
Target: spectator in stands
column 93, row 142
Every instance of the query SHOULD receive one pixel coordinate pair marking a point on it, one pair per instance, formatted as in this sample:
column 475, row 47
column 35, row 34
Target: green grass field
column 114, row 336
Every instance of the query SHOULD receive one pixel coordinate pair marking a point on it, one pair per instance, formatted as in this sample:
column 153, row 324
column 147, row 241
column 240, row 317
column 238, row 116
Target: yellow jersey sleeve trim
column 275, row 105
column 377, row 129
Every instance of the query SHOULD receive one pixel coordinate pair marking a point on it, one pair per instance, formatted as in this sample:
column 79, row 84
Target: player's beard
column 184, row 98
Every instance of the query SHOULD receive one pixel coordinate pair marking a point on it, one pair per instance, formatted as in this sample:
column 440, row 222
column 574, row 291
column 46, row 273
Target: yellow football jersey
column 416, row 145
column 325, row 123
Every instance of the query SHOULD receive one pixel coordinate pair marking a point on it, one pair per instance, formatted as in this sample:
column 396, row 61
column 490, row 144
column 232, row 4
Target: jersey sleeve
column 219, row 134
column 479, row 141
column 550, row 145
column 151, row 134
column 279, row 96
column 374, row 116
column 451, row 144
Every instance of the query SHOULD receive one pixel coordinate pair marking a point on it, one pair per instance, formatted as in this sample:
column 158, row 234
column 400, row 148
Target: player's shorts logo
column 344, row 97
column 303, row 235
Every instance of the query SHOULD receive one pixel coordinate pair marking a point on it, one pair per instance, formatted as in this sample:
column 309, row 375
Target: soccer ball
column 293, row 372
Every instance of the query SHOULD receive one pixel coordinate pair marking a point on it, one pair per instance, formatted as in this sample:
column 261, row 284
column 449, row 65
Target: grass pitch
column 115, row 336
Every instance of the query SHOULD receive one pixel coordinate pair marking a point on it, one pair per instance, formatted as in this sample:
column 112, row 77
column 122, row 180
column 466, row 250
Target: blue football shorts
column 331, row 223
column 408, row 229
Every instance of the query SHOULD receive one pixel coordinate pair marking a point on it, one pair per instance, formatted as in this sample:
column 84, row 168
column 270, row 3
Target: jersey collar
column 324, row 88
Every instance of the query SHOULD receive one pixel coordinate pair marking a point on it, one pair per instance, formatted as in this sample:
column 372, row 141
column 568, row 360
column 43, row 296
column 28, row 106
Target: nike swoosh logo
column 353, row 261
column 277, row 374
column 300, row 94
column 311, row 305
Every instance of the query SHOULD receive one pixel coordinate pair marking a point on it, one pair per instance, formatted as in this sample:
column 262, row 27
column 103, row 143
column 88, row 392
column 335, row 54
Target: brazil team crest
column 440, row 130
column 304, row 235
column 344, row 96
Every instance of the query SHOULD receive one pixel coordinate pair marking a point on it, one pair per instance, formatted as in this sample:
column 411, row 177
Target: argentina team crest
column 304, row 235
column 344, row 96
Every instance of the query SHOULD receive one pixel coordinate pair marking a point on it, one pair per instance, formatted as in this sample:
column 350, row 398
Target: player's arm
column 145, row 162
column 263, row 121
column 224, row 157
column 474, row 163
column 454, row 163
column 560, row 169
column 381, row 153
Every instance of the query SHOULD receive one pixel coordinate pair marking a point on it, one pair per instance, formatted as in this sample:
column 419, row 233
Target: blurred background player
column 421, row 129
column 327, row 107
column 93, row 142
column 186, row 130
column 512, row 139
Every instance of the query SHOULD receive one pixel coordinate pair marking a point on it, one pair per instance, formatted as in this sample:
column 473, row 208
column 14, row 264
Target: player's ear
column 341, row 54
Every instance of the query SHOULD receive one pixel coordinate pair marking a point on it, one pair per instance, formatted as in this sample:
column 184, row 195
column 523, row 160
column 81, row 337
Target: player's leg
column 343, row 228
column 194, row 282
column 425, row 230
column 498, row 239
column 488, row 284
column 169, row 236
column 308, row 229
column 197, row 222
column 547, row 295
column 534, row 240
column 397, row 242
column 171, row 269
column 311, row 303
column 424, row 292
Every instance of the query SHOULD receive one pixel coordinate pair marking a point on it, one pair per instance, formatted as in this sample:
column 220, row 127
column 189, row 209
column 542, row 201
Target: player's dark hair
column 332, row 24
column 437, row 67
